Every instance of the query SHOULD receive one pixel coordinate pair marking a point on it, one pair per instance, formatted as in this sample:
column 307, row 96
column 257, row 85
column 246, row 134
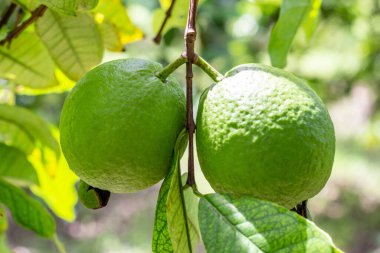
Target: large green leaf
column 292, row 14
column 69, row 7
column 175, row 227
column 27, row 62
column 15, row 167
column 74, row 42
column 250, row 225
column 26, row 211
column 13, row 135
column 30, row 123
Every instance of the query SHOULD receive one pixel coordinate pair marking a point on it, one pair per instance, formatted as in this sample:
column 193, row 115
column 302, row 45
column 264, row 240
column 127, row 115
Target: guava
column 119, row 125
column 263, row 132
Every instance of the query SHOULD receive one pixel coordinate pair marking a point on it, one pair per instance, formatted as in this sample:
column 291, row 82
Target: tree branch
column 7, row 14
column 190, row 37
column 36, row 14
column 157, row 38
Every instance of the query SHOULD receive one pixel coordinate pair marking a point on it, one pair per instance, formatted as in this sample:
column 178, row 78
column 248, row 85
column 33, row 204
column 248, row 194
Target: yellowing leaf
column 114, row 12
column 57, row 183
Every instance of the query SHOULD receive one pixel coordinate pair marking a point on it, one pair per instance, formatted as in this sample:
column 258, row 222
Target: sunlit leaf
column 74, row 42
column 69, row 7
column 13, row 135
column 292, row 14
column 57, row 182
column 26, row 211
column 250, row 225
column 31, row 123
column 27, row 62
column 114, row 11
column 15, row 168
column 110, row 36
column 64, row 84
column 311, row 20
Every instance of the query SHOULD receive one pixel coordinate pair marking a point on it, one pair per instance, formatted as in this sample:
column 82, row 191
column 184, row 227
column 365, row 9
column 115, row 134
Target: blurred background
column 341, row 61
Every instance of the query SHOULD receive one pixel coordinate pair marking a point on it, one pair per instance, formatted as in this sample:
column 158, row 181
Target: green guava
column 265, row 133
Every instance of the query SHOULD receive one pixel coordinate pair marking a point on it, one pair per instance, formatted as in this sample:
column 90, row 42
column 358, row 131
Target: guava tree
column 265, row 141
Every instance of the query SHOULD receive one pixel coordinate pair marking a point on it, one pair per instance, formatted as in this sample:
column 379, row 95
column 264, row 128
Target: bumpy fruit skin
column 263, row 132
column 119, row 125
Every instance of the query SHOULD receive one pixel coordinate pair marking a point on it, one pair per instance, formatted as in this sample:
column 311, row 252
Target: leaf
column 27, row 62
column 311, row 20
column 114, row 12
column 292, row 14
column 69, row 7
column 3, row 222
column 64, row 84
column 26, row 211
column 110, row 36
column 13, row 135
column 250, row 225
column 57, row 182
column 73, row 42
column 31, row 124
column 172, row 231
column 15, row 168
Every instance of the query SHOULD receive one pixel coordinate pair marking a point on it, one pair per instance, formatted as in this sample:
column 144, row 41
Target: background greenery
column 341, row 61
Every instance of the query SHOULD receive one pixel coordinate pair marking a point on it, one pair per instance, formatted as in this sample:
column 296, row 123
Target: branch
column 8, row 13
column 190, row 37
column 36, row 14
column 157, row 38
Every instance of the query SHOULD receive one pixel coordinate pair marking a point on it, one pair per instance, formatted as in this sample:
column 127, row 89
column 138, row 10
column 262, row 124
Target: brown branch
column 37, row 13
column 190, row 37
column 8, row 13
column 157, row 38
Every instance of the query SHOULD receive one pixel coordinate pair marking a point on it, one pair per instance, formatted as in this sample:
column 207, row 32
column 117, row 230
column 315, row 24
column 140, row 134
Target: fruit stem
column 165, row 72
column 190, row 37
column 208, row 69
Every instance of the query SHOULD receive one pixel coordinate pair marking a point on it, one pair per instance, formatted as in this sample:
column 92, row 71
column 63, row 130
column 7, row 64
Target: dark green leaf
column 74, row 42
column 15, row 168
column 291, row 17
column 31, row 124
column 250, row 225
column 26, row 211
column 175, row 228
column 13, row 135
column 27, row 62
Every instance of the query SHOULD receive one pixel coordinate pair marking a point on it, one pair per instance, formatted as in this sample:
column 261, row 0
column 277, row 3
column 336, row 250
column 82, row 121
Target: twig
column 37, row 13
column 8, row 13
column 157, row 38
column 190, row 37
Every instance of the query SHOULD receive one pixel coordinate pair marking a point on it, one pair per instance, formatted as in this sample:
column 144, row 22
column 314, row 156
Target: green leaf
column 3, row 244
column 27, row 62
column 13, row 135
column 73, row 42
column 292, row 14
column 250, row 225
column 26, row 211
column 311, row 20
column 15, row 167
column 175, row 228
column 114, row 12
column 3, row 221
column 69, row 7
column 30, row 123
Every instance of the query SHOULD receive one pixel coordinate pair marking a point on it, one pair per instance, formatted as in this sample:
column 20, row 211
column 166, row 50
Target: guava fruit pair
column 260, row 131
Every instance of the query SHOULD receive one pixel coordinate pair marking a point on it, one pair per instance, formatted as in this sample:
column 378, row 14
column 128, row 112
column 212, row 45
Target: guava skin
column 265, row 133
column 119, row 125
